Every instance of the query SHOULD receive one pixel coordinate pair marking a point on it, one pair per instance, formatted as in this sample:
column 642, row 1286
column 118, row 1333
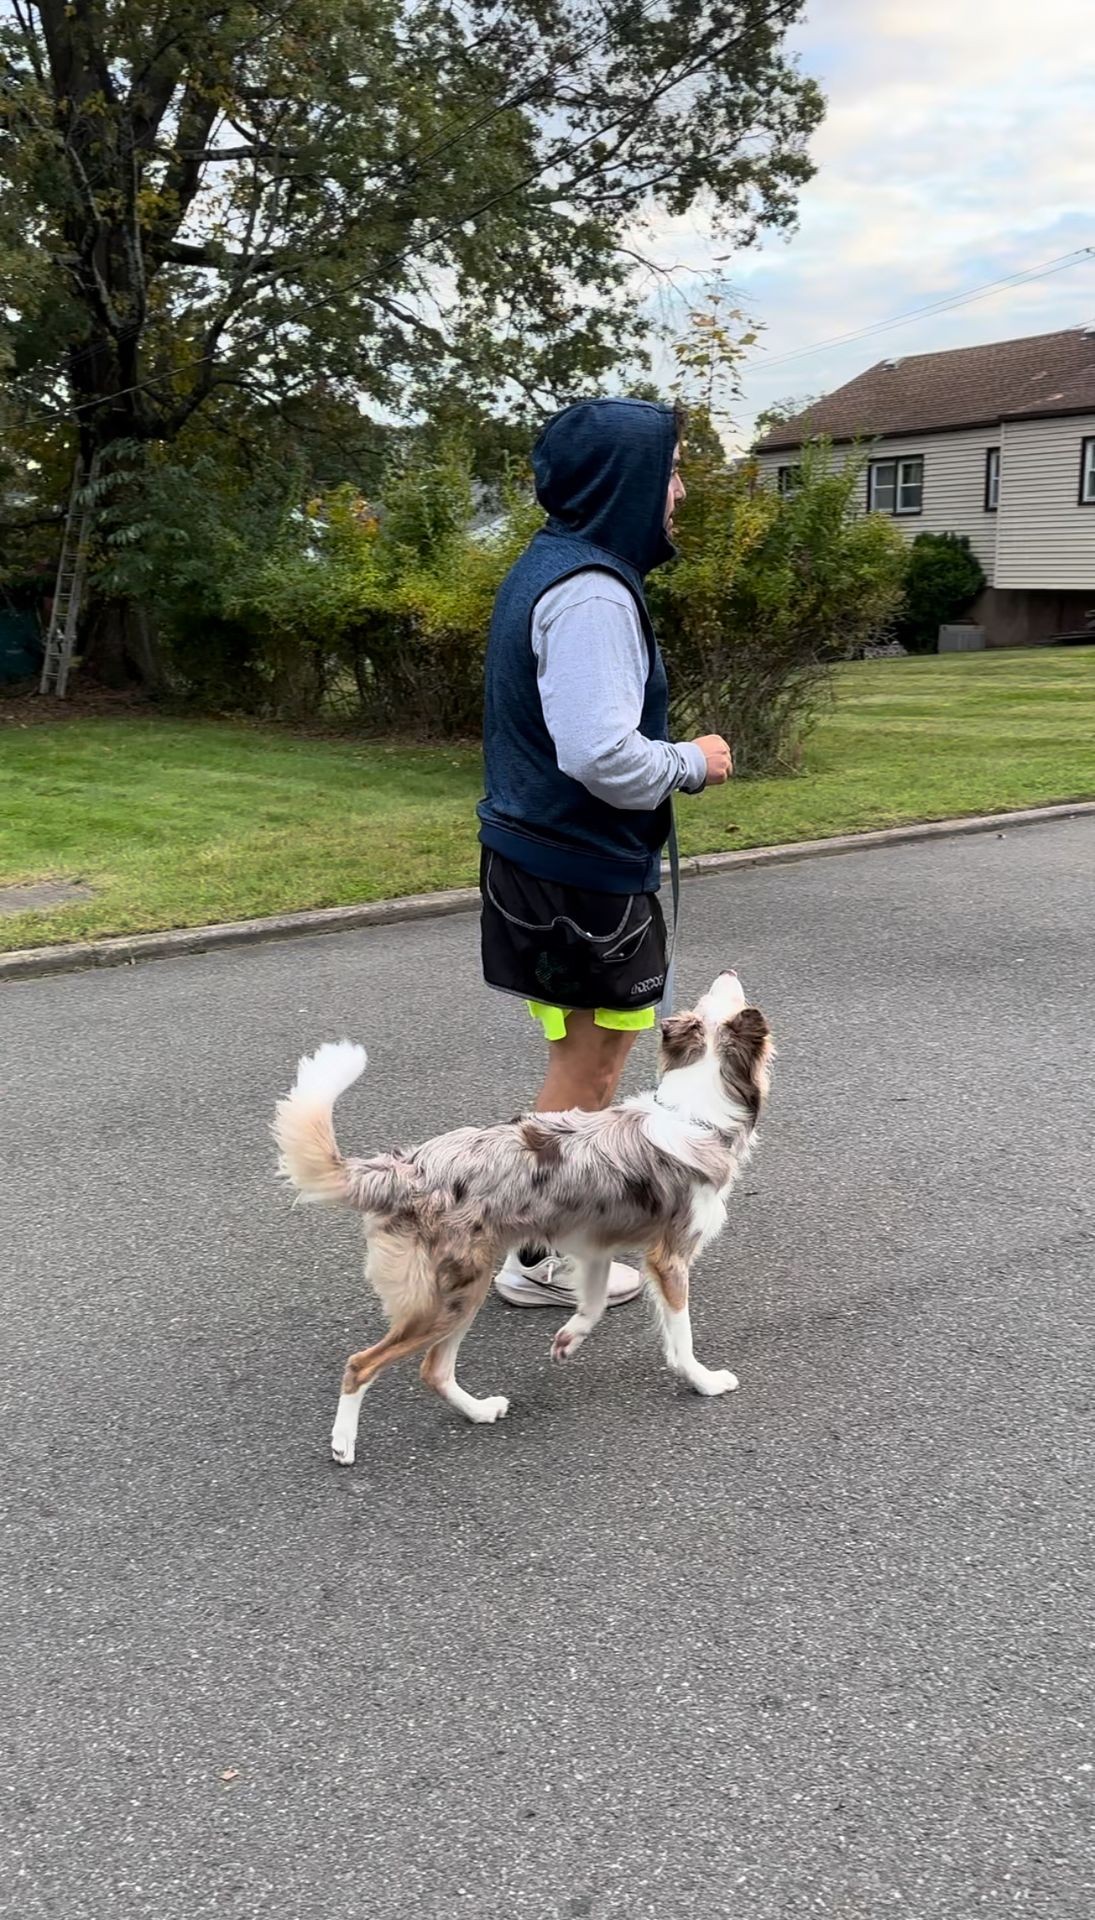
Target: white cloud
column 959, row 148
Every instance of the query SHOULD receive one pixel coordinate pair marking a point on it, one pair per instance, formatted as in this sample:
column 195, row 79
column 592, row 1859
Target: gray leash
column 668, row 991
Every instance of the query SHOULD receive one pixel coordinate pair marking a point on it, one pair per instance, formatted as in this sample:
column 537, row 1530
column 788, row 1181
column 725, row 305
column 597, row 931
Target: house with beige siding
column 995, row 442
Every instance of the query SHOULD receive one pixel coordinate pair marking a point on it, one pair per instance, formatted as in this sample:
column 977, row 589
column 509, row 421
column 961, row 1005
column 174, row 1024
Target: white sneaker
column 548, row 1282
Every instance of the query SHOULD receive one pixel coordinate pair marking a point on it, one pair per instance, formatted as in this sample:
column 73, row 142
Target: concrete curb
column 30, row 962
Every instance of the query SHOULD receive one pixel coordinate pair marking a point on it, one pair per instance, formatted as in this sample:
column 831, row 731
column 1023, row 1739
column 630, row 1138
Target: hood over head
column 602, row 470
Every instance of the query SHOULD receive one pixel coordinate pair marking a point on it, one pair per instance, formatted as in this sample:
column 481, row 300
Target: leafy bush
column 380, row 615
column 771, row 588
column 330, row 607
column 943, row 580
column 417, row 660
column 385, row 619
column 174, row 539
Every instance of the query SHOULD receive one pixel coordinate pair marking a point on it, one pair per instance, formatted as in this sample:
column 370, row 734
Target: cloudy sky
column 959, row 148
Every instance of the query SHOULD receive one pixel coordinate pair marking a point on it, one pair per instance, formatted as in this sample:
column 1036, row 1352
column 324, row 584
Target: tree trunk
column 117, row 642
column 119, row 646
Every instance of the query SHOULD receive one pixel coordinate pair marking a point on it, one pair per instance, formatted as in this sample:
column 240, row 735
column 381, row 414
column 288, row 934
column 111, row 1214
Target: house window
column 896, row 486
column 992, row 479
column 1087, row 474
column 788, row 479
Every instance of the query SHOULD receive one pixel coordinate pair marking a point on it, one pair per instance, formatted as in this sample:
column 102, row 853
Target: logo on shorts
column 648, row 986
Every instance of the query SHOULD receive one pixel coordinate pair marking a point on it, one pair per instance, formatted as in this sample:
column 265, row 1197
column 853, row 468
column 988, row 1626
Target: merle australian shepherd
column 652, row 1173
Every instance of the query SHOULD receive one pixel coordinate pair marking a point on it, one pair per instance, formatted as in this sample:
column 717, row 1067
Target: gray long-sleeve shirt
column 591, row 669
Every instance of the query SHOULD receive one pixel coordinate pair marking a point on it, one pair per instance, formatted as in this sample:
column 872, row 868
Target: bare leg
column 439, row 1372
column 584, row 1071
column 591, row 1284
column 668, row 1275
column 584, row 1068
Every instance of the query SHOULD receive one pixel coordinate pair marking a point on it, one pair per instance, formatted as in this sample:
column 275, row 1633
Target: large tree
column 209, row 203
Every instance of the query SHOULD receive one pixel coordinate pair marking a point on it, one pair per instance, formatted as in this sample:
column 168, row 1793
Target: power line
column 1061, row 263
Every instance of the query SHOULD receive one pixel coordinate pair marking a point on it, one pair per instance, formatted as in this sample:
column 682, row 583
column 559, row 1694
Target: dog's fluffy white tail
column 308, row 1155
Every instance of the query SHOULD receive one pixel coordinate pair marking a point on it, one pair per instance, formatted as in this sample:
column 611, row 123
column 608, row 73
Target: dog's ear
column 684, row 1039
column 745, row 1048
column 751, row 1027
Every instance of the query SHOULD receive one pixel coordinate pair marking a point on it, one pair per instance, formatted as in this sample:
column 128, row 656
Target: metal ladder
column 71, row 575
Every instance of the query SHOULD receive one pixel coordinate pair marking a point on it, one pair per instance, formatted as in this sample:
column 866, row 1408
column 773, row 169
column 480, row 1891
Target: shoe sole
column 535, row 1294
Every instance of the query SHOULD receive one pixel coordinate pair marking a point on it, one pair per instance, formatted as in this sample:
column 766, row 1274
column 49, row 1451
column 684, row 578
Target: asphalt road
column 821, row 1648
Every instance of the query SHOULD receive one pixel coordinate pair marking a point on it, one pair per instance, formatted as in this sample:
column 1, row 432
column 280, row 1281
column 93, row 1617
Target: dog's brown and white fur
column 652, row 1173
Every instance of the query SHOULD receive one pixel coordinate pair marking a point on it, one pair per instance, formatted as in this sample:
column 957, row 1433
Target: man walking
column 580, row 771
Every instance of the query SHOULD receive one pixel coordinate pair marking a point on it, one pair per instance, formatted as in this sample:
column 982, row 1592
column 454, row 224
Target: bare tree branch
column 30, row 41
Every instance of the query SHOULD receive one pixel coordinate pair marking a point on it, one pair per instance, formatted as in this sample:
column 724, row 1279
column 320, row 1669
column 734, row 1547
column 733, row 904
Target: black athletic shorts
column 569, row 947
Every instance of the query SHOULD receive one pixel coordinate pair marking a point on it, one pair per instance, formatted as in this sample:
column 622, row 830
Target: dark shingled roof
column 1046, row 373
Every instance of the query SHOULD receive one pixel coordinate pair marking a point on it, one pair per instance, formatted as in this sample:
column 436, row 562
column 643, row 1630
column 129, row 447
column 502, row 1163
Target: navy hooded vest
column 602, row 470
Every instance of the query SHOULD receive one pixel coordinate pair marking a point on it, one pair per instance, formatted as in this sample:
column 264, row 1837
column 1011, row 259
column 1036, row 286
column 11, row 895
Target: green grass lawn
column 178, row 822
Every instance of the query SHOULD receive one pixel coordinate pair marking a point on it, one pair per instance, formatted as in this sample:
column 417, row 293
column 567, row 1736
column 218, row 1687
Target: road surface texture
column 823, row 1647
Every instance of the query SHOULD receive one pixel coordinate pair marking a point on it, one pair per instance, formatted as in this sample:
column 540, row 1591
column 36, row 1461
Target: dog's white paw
column 344, row 1431
column 570, row 1337
column 494, row 1406
column 343, row 1439
column 709, row 1381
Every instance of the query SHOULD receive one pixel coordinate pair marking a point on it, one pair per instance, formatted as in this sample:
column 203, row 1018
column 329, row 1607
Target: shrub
column 381, row 616
column 384, row 619
column 770, row 589
column 175, row 539
column 943, row 580
column 301, row 601
column 295, row 610
column 417, row 659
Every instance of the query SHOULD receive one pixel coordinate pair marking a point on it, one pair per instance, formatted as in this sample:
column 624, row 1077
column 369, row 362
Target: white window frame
column 992, row 479
column 901, row 463
column 788, row 479
column 1087, row 472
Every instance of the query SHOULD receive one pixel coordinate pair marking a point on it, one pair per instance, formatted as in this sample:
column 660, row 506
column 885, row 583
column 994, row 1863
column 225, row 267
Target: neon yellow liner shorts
column 553, row 1020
